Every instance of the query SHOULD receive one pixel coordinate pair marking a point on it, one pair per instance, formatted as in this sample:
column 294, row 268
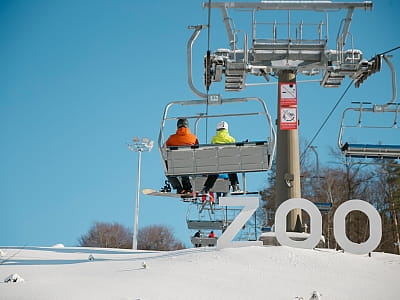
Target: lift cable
column 391, row 50
column 325, row 121
column 208, row 63
column 334, row 108
column 208, row 25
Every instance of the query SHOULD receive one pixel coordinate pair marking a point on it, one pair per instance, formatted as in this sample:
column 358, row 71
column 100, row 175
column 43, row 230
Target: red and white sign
column 287, row 93
column 288, row 118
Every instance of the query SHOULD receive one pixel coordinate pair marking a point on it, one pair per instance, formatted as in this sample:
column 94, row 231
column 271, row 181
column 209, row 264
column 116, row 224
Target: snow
column 269, row 272
column 14, row 278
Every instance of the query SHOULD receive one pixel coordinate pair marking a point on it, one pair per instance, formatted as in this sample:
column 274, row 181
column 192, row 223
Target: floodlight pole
column 138, row 146
column 313, row 148
column 136, row 210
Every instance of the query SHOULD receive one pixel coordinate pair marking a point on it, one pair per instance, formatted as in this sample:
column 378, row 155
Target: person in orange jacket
column 211, row 235
column 182, row 137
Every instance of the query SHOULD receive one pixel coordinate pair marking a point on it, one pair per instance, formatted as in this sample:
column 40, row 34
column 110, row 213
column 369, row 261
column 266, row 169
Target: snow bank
column 274, row 272
column 13, row 278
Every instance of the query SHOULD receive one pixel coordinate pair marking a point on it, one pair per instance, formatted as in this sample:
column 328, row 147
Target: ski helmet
column 182, row 123
column 222, row 125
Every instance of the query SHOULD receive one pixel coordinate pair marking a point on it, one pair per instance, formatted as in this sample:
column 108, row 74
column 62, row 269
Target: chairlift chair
column 389, row 110
column 239, row 157
column 368, row 150
column 218, row 221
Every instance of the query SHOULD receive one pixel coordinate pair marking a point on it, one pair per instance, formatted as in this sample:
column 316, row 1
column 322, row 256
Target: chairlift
column 203, row 219
column 366, row 121
column 197, row 161
column 240, row 157
column 216, row 219
column 369, row 150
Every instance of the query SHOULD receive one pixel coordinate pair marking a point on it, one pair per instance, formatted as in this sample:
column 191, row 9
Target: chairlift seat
column 218, row 158
column 207, row 224
column 204, row 241
column 323, row 206
column 276, row 49
column 297, row 44
column 371, row 151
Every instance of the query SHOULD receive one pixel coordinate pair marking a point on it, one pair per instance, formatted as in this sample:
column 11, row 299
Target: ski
column 152, row 192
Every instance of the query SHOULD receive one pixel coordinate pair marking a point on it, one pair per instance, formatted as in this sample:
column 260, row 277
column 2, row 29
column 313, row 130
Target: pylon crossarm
column 292, row 5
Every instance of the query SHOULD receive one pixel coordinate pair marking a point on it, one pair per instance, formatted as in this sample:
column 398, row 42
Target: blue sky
column 79, row 79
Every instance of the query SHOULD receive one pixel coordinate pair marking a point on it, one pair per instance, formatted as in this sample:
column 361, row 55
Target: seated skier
column 182, row 137
column 222, row 137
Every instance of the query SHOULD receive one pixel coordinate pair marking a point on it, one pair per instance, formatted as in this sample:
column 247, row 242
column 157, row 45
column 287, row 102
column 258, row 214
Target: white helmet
column 222, row 125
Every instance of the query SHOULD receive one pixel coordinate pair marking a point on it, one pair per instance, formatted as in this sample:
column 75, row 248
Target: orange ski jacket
column 182, row 137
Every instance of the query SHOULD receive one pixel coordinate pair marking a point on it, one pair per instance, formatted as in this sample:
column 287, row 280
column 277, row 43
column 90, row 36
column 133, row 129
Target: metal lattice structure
column 272, row 52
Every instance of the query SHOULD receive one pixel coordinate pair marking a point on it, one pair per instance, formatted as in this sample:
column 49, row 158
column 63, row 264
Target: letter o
column 375, row 226
column 315, row 223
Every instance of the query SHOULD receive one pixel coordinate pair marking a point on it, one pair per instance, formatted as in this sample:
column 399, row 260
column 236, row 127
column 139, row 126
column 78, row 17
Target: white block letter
column 315, row 223
column 375, row 227
column 250, row 205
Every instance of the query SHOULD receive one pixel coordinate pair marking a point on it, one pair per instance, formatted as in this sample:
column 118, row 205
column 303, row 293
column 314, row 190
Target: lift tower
column 285, row 55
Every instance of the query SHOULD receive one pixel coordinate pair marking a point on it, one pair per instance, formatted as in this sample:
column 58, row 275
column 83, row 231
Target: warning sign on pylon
column 288, row 118
column 287, row 93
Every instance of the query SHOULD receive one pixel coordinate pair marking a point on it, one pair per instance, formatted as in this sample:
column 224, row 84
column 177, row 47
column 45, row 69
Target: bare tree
column 114, row 235
column 107, row 235
column 344, row 179
column 388, row 204
column 268, row 196
column 158, row 237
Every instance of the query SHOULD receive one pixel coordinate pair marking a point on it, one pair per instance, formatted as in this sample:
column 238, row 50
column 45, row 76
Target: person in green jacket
column 221, row 137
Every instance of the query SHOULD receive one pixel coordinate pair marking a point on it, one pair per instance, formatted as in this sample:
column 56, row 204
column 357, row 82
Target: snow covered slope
column 203, row 273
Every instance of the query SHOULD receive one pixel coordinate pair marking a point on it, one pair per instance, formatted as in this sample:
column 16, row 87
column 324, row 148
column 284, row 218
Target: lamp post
column 313, row 148
column 139, row 146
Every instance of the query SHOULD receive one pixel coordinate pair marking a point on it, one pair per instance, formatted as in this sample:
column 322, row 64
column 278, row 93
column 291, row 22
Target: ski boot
column 166, row 188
